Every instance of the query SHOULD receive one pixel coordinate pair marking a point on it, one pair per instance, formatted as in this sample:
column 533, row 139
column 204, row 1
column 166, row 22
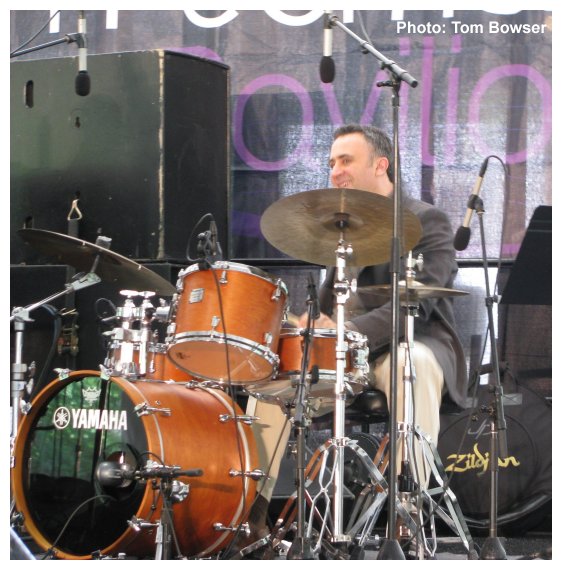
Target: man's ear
column 382, row 165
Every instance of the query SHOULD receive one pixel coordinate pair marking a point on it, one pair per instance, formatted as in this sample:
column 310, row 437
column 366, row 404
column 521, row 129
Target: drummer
column 361, row 158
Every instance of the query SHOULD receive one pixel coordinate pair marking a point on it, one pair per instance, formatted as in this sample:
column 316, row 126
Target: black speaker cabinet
column 146, row 152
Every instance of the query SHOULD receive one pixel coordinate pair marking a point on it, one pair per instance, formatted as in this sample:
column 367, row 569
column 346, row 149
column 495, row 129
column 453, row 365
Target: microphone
column 114, row 474
column 462, row 237
column 327, row 66
column 82, row 82
column 216, row 251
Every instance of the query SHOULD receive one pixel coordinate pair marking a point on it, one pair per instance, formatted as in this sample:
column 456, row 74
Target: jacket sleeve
column 439, row 269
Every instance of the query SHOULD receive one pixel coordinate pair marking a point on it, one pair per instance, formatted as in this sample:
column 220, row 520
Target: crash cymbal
column 308, row 226
column 415, row 290
column 112, row 267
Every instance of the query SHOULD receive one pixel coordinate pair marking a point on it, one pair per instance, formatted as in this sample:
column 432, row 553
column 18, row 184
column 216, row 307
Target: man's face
column 352, row 165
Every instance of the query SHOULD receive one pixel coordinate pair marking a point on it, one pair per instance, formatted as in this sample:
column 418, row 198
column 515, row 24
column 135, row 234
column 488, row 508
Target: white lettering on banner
column 111, row 19
column 214, row 22
column 54, row 24
column 311, row 16
column 99, row 419
column 288, row 20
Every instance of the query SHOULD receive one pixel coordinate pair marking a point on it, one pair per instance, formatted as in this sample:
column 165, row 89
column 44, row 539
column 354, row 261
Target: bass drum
column 82, row 420
column 524, row 491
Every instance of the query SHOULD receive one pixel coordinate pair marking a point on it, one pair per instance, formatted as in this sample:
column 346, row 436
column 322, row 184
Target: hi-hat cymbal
column 111, row 267
column 414, row 290
column 308, row 226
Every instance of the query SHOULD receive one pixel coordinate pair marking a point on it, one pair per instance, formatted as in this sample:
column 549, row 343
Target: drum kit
column 151, row 456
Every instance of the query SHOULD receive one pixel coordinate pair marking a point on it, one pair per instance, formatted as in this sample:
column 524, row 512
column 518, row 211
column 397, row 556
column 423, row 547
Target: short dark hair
column 377, row 139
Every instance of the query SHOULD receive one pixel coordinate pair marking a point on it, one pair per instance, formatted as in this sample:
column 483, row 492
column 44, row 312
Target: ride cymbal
column 309, row 225
column 111, row 267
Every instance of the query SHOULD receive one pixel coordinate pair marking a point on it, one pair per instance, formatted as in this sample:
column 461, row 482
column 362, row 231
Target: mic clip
column 475, row 203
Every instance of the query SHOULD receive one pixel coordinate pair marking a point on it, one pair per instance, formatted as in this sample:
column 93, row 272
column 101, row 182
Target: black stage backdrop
column 484, row 89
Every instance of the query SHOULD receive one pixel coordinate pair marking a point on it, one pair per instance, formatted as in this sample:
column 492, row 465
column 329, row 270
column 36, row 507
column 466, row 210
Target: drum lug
column 255, row 474
column 214, row 324
column 223, row 279
column 244, row 528
column 144, row 410
column 278, row 292
column 267, row 339
column 248, row 420
column 138, row 524
column 179, row 492
column 105, row 373
column 63, row 373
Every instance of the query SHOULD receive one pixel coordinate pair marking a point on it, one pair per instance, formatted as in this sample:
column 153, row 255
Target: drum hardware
column 410, row 495
column 307, row 206
column 131, row 352
column 244, row 528
column 144, row 410
column 306, row 225
column 19, row 318
column 138, row 524
column 248, row 420
column 254, row 474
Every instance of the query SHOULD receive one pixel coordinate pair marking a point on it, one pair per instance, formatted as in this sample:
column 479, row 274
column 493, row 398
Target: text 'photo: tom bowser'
column 459, row 27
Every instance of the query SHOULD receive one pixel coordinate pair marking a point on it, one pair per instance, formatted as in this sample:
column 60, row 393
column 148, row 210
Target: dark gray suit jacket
column 435, row 325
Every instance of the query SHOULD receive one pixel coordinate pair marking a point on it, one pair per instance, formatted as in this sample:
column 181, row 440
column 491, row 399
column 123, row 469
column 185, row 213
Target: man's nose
column 336, row 172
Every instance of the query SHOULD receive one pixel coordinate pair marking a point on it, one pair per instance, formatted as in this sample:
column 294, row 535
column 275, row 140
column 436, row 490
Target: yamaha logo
column 90, row 419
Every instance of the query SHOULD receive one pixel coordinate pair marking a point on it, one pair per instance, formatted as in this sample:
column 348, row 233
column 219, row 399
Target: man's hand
column 322, row 322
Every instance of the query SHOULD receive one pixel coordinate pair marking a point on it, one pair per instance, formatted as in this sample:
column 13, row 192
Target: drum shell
column 282, row 389
column 161, row 366
column 322, row 353
column 192, row 437
column 239, row 302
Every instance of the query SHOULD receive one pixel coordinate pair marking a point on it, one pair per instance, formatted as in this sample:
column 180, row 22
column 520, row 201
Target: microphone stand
column 493, row 549
column 390, row 549
column 301, row 548
column 68, row 39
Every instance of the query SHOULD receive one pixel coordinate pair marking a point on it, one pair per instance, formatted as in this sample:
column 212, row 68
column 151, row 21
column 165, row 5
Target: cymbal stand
column 410, row 522
column 20, row 316
column 301, row 548
column 337, row 445
column 342, row 289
